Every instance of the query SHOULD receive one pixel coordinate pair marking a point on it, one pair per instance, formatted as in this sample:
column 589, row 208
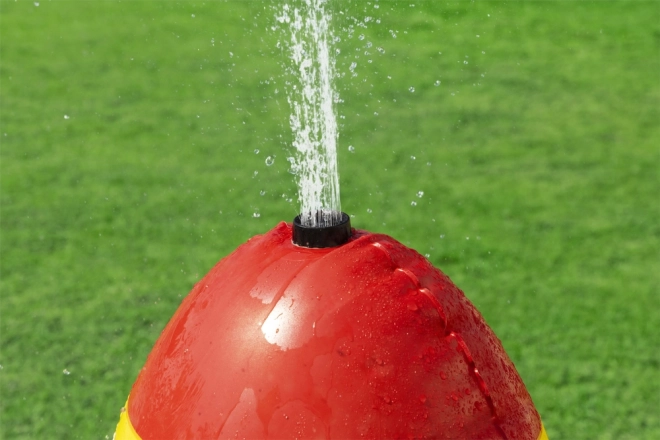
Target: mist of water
column 312, row 96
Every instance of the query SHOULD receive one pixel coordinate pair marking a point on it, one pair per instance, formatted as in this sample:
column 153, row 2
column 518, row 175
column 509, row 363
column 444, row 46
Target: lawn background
column 128, row 166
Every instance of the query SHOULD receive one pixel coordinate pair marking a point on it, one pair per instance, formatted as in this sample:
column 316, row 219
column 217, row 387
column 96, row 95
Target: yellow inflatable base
column 125, row 430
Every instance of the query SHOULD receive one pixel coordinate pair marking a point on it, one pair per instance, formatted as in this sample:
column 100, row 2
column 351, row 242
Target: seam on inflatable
column 474, row 371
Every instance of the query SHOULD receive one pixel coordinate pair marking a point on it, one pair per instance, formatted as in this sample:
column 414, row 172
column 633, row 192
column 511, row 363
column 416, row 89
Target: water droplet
column 192, row 15
column 413, row 157
column 465, row 62
column 369, row 210
column 256, row 215
column 413, row 203
column 437, row 83
column 411, row 90
column 36, row 3
column 351, row 148
column 344, row 351
column 381, row 50
column 262, row 192
column 477, row 36
column 420, row 194
column 361, row 37
column 256, row 151
column 66, row 372
column 66, row 116
column 352, row 66
column 270, row 160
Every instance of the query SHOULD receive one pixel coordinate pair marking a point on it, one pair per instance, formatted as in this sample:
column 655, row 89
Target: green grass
column 542, row 149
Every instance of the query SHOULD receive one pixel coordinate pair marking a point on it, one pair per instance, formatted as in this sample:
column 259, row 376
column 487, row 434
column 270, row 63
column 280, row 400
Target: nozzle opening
column 322, row 237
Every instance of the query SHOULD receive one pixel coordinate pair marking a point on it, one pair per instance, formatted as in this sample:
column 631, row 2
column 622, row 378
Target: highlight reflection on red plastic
column 366, row 340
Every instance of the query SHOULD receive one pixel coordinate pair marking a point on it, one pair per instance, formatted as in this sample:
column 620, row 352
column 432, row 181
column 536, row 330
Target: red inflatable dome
column 362, row 341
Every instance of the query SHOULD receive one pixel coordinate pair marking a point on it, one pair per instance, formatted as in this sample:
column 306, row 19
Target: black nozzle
column 323, row 236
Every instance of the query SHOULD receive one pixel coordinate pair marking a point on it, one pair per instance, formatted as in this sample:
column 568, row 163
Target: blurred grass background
column 134, row 138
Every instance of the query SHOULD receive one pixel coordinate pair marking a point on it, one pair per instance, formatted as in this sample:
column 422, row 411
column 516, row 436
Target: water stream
column 312, row 95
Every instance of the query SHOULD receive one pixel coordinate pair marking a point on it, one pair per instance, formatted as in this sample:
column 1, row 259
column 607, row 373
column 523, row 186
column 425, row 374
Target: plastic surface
column 366, row 340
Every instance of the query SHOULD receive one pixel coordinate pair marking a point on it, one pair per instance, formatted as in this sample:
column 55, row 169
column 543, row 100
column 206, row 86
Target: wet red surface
column 366, row 340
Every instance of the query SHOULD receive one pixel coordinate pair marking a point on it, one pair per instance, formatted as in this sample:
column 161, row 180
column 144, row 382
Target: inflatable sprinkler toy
column 327, row 333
